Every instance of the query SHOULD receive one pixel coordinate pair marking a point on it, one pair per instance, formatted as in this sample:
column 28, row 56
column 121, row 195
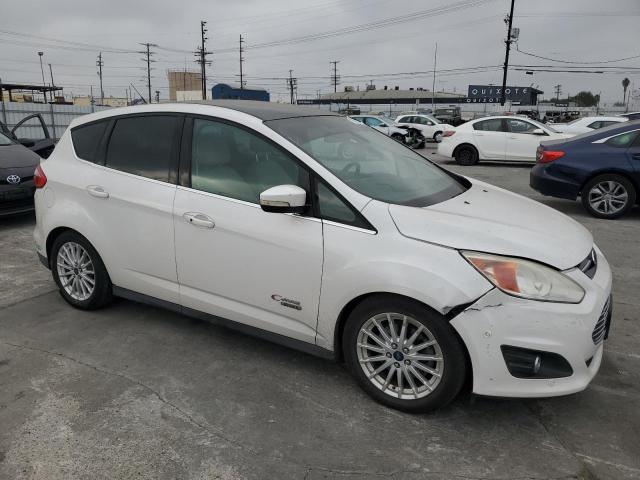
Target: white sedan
column 587, row 124
column 500, row 138
column 429, row 125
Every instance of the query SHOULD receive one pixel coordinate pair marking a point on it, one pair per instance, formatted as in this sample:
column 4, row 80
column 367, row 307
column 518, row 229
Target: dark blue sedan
column 600, row 167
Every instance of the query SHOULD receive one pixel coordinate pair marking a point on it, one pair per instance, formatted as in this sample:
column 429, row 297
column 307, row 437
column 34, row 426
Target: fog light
column 527, row 363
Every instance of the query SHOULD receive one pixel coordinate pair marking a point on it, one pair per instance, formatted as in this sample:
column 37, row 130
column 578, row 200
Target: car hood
column 489, row 219
column 17, row 156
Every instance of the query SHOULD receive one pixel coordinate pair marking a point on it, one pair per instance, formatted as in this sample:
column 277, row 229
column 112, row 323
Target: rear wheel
column 78, row 271
column 466, row 155
column 608, row 196
column 403, row 354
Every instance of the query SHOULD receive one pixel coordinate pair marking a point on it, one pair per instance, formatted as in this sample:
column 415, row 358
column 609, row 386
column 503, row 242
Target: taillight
column 547, row 156
column 39, row 178
column 448, row 133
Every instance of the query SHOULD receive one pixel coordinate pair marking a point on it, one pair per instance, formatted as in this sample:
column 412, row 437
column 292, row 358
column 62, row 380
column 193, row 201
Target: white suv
column 248, row 214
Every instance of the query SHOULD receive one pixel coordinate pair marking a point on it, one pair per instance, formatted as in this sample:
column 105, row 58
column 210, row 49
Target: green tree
column 625, row 85
column 585, row 99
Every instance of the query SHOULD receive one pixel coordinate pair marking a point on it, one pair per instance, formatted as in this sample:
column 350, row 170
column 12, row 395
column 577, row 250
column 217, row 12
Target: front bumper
column 498, row 319
column 16, row 199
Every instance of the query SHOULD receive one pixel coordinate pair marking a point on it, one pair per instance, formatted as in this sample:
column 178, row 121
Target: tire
column 412, row 393
column 608, row 196
column 466, row 155
column 73, row 257
column 398, row 138
column 437, row 137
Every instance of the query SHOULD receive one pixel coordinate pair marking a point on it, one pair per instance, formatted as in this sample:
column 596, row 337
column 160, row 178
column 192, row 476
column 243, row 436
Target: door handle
column 636, row 156
column 97, row 191
column 199, row 220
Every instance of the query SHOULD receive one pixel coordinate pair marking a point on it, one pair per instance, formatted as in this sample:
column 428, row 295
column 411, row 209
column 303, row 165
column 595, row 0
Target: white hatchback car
column 430, row 126
column 245, row 213
column 499, row 138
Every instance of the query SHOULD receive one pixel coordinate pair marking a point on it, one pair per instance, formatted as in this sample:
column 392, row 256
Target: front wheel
column 78, row 271
column 398, row 137
column 403, row 354
column 437, row 137
column 608, row 196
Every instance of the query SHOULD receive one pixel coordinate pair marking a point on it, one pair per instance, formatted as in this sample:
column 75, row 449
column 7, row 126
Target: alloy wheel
column 400, row 356
column 608, row 197
column 76, row 271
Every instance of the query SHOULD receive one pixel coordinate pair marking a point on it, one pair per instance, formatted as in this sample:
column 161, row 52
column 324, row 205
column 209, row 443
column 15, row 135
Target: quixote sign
column 493, row 94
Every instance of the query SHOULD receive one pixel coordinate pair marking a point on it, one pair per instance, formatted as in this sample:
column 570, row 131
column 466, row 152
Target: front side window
column 332, row 207
column 373, row 122
column 86, row 139
column 4, row 140
column 233, row 162
column 143, row 145
column 370, row 163
column 493, row 125
column 520, row 126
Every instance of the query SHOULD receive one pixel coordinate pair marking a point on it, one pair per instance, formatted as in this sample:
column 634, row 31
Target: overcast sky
column 573, row 30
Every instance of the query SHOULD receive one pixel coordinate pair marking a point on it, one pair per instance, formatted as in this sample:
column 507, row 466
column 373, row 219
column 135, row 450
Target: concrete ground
column 137, row 392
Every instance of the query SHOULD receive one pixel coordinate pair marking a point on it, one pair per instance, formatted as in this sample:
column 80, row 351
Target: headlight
column 526, row 279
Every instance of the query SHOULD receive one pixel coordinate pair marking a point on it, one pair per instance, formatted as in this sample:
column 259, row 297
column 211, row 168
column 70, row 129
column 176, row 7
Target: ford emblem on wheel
column 13, row 179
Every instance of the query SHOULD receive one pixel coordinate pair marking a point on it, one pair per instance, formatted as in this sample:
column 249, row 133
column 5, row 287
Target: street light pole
column 44, row 92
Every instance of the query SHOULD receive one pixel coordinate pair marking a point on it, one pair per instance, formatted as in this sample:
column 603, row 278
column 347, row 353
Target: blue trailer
column 227, row 92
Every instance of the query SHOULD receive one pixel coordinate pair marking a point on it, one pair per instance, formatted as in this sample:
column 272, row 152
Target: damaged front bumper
column 498, row 324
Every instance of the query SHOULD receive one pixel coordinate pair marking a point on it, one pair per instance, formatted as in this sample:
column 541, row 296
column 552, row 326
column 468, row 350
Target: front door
column 234, row 260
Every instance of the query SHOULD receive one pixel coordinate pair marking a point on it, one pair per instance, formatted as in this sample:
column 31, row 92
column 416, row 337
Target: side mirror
column 284, row 199
column 538, row 131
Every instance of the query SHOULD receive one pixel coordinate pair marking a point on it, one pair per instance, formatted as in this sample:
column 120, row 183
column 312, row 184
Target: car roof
column 604, row 117
column 605, row 132
column 264, row 111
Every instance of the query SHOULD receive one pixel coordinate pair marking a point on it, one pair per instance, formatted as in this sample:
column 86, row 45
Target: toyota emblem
column 13, row 179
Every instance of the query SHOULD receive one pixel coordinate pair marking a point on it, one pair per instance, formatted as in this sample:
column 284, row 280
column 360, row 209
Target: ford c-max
column 315, row 232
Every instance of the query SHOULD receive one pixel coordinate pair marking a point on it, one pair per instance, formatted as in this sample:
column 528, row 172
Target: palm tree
column 625, row 85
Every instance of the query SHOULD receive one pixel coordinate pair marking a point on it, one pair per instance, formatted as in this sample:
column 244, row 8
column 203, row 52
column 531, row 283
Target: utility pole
column 433, row 86
column 292, row 82
column 241, row 60
column 201, row 58
column 335, row 78
column 99, row 64
column 52, row 84
column 508, row 41
column 147, row 52
column 44, row 92
column 558, row 89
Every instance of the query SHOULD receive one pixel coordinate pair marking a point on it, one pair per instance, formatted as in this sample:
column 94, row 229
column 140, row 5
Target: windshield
column 368, row 161
column 4, row 140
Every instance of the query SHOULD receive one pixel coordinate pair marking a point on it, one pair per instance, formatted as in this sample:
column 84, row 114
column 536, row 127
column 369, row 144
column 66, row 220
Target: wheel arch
column 354, row 302
column 57, row 231
column 621, row 173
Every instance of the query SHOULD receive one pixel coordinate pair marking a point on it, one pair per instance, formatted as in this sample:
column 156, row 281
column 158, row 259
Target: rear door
column 129, row 191
column 490, row 138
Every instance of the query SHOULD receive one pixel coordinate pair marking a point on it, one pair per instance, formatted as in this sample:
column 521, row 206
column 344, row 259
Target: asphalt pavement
column 132, row 391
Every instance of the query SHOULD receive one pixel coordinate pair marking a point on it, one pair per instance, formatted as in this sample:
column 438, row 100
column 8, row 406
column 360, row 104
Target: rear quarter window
column 87, row 138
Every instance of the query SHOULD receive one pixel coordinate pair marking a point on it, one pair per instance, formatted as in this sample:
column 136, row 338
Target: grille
column 589, row 265
column 600, row 330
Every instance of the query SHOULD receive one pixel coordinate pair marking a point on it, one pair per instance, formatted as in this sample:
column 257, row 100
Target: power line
column 574, row 62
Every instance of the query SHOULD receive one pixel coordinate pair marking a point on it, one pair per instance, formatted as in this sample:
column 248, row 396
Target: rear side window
column 493, row 125
column 86, row 139
column 622, row 141
column 143, row 146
